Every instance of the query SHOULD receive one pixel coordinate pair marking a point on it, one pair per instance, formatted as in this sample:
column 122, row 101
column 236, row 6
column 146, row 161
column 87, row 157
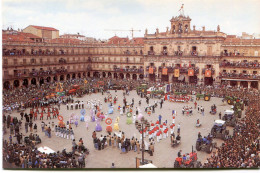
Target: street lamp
column 144, row 124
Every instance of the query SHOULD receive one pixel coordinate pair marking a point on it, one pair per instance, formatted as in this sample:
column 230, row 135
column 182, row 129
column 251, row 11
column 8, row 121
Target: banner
column 207, row 73
column 168, row 88
column 150, row 70
column 190, row 72
column 164, row 71
column 176, row 72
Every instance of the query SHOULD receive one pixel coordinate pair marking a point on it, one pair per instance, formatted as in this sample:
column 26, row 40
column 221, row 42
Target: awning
column 247, row 80
column 149, row 165
column 181, row 78
column 46, row 150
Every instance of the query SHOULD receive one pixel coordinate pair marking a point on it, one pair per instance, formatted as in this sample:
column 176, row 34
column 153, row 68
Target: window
column 244, row 71
column 5, row 61
column 254, row 72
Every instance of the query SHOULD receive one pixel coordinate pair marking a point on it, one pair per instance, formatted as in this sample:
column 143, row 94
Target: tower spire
column 181, row 10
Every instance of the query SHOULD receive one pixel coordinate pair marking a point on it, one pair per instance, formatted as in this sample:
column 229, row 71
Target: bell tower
column 180, row 24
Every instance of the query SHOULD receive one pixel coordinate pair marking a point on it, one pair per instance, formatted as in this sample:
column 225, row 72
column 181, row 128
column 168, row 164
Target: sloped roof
column 44, row 28
column 19, row 36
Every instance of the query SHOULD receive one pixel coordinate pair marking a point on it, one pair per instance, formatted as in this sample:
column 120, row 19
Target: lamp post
column 141, row 126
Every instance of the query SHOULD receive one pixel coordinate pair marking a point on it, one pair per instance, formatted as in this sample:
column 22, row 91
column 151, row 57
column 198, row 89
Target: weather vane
column 182, row 10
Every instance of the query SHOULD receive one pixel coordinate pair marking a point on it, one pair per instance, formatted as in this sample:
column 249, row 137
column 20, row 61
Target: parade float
column 206, row 97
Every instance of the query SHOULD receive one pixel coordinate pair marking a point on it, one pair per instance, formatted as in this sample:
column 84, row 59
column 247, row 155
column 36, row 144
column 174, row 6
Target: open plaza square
column 86, row 115
column 107, row 84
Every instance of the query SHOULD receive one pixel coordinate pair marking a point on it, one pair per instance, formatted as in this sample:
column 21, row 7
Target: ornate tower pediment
column 180, row 24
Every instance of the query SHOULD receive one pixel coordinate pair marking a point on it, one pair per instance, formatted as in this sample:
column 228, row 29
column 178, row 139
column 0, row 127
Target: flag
column 190, row 72
column 176, row 72
column 207, row 73
column 150, row 70
column 164, row 71
column 181, row 7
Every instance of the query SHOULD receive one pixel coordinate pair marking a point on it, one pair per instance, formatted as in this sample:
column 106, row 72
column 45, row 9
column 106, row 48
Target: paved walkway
column 164, row 154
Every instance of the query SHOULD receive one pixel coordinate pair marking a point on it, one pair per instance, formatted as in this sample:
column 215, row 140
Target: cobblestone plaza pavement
column 164, row 154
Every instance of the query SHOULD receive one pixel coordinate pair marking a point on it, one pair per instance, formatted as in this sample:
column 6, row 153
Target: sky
column 95, row 18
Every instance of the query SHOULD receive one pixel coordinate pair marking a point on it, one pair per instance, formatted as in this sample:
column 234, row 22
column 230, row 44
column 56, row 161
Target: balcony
column 151, row 53
column 252, row 65
column 239, row 76
column 154, row 68
column 182, row 69
column 212, row 70
column 129, row 70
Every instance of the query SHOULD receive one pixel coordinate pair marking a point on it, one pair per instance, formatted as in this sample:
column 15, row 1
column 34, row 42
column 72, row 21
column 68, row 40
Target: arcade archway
column 254, row 84
column 128, row 76
column 208, row 80
column 165, row 78
column 48, row 79
column 62, row 78
column 104, row 74
column 244, row 84
column 6, row 85
column 141, row 76
column 115, row 76
column 79, row 75
column 73, row 76
column 16, row 83
column 134, row 77
column 41, row 81
column 55, row 78
column 152, row 77
column 109, row 74
column 33, row 81
column 121, row 75
column 68, row 76
column 25, row 82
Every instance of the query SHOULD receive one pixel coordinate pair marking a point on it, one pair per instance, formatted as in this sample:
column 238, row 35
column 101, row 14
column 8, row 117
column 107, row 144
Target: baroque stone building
column 180, row 54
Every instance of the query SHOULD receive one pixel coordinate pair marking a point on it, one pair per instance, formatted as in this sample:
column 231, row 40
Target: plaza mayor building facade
column 181, row 53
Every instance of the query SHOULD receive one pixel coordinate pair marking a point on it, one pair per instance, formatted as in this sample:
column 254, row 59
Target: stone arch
column 141, row 76
column 33, row 81
column 55, row 78
column 96, row 74
column 6, row 85
column 88, row 74
column 62, row 78
column 109, row 74
column 79, row 75
column 41, row 81
column 115, row 76
column 16, row 83
column 84, row 74
column 134, row 77
column 48, row 79
column 121, row 75
column 68, row 76
column 128, row 76
column 73, row 76
column 25, row 82
column 104, row 74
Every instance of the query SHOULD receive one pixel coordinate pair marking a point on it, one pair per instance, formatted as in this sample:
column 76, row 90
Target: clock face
column 83, row 111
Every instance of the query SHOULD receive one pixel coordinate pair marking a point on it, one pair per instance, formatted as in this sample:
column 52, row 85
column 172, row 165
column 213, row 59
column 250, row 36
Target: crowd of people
column 239, row 151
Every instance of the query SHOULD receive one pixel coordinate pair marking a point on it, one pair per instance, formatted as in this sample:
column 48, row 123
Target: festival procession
column 103, row 123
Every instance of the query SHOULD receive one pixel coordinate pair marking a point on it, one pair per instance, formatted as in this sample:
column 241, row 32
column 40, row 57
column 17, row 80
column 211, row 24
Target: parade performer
column 116, row 124
column 98, row 126
column 134, row 118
